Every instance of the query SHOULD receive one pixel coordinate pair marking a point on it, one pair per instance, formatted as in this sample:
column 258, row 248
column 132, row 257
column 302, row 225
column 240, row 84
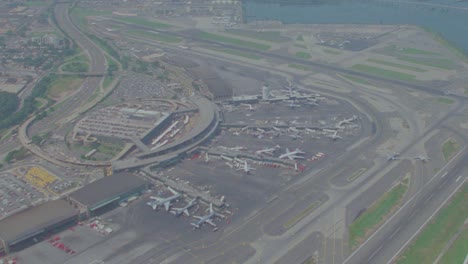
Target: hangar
column 107, row 193
column 26, row 227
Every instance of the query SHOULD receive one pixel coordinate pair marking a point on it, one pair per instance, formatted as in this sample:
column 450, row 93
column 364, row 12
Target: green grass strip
column 233, row 41
column 154, row 36
column 303, row 55
column 444, row 100
column 299, row 67
column 397, row 65
column 383, row 72
column 356, row 79
column 444, row 64
column 372, row 217
column 238, row 53
column 450, row 148
column 458, row 250
column 434, row 237
column 143, row 22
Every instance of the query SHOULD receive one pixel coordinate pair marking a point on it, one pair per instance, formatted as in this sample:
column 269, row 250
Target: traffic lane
column 377, row 241
column 306, row 249
column 422, row 213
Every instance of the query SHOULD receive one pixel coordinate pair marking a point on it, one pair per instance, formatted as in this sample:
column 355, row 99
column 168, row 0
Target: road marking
column 459, row 177
column 404, row 205
column 445, row 174
column 394, row 232
column 427, row 221
column 373, row 254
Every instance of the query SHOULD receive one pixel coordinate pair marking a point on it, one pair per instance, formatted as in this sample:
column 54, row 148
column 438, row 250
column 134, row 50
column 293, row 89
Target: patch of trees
column 8, row 104
column 29, row 106
column 15, row 155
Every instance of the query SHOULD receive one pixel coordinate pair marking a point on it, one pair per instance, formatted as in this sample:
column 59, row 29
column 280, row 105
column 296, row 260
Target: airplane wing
column 186, row 212
column 173, row 191
column 166, row 205
column 210, row 223
column 196, row 216
column 290, row 157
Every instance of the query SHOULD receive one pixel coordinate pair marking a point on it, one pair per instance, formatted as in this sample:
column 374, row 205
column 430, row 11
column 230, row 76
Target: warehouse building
column 106, row 193
column 35, row 223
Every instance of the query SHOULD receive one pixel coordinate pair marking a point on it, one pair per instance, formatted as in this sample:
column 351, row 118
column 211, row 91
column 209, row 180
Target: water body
column 448, row 18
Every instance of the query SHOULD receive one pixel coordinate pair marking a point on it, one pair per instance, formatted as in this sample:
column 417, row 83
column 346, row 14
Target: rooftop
column 33, row 219
column 106, row 188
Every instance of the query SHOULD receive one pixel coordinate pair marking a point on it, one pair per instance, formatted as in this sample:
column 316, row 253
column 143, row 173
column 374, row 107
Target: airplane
column 334, row 136
column 422, row 158
column 237, row 133
column 293, row 105
column 236, row 148
column 183, row 210
column 158, row 201
column 226, row 158
column 346, row 121
column 246, row 168
column 293, row 129
column 249, row 107
column 312, row 102
column 295, row 136
column 268, row 151
column 206, row 218
column 277, row 129
column 207, row 158
column 394, row 156
column 292, row 155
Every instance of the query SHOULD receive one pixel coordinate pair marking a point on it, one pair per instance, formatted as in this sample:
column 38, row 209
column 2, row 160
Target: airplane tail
column 186, row 212
column 195, row 225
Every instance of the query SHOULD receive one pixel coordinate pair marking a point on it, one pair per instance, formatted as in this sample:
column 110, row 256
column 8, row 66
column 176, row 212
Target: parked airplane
column 246, row 168
column 334, row 136
column 207, row 158
column 394, row 156
column 206, row 218
column 277, row 129
column 295, row 136
column 292, row 155
column 293, row 129
column 158, row 201
column 249, row 107
column 183, row 210
column 268, row 151
column 422, row 158
column 346, row 121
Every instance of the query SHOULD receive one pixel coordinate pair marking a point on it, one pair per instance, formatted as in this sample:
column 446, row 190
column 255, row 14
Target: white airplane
column 289, row 90
column 334, row 136
column 422, row 158
column 268, row 151
column 249, row 107
column 312, row 102
column 394, row 156
column 246, row 168
column 293, row 105
column 207, row 158
column 292, row 155
column 293, row 129
column 226, row 158
column 277, row 129
column 236, row 148
column 346, row 121
column 158, row 201
column 260, row 130
column 183, row 210
column 206, row 218
column 237, row 133
column 295, row 136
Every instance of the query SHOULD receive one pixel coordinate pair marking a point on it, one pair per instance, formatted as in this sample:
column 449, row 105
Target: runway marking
column 445, row 174
column 373, row 254
column 394, row 232
column 428, row 199
column 405, row 205
column 427, row 221
column 459, row 177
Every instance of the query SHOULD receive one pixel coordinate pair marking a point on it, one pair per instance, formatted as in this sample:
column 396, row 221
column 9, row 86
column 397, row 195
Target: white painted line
column 394, row 232
column 402, row 207
column 427, row 221
column 373, row 254
column 459, row 177
column 445, row 174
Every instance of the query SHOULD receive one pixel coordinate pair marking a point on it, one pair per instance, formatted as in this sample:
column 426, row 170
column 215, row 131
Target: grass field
column 107, row 81
column 458, row 250
column 80, row 15
column 396, row 65
column 63, row 84
column 300, row 38
column 383, row 72
column 443, row 100
column 299, row 67
column 373, row 216
column 356, row 79
column 302, row 46
column 303, row 55
column 434, row 237
column 238, row 53
column 75, row 66
column 154, row 36
column 35, row 3
column 332, row 52
column 271, row 36
column 233, row 41
column 450, row 148
column 444, row 64
column 298, row 217
column 143, row 22
column 409, row 51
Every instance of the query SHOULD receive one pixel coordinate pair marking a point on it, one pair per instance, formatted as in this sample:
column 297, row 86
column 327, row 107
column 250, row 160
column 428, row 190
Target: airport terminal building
column 106, row 193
